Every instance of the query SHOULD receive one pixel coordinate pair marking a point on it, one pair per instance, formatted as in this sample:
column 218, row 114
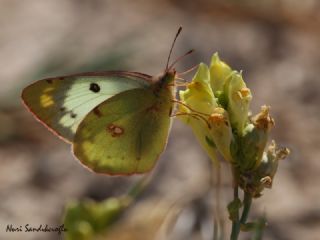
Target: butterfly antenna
column 188, row 70
column 174, row 41
column 181, row 57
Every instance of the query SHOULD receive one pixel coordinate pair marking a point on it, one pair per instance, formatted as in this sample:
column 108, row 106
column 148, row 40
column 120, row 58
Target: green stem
column 247, row 200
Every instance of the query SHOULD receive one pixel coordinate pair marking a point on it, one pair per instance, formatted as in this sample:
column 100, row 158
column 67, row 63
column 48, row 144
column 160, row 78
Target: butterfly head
column 165, row 79
column 168, row 77
column 169, row 74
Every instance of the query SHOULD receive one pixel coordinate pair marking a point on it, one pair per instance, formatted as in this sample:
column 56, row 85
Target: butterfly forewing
column 61, row 103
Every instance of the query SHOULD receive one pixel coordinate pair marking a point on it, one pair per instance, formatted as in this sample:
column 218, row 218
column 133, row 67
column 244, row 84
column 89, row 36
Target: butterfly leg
column 182, row 84
column 194, row 115
column 190, row 108
column 188, row 70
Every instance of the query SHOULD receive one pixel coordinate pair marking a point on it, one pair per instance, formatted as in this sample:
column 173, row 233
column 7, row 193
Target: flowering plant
column 216, row 106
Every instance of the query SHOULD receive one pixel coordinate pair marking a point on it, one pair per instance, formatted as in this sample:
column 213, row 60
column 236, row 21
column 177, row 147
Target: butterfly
column 117, row 121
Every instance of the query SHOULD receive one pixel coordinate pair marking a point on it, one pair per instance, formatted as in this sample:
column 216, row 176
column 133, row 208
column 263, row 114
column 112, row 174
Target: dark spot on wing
column 50, row 81
column 62, row 109
column 97, row 112
column 73, row 115
column 94, row 87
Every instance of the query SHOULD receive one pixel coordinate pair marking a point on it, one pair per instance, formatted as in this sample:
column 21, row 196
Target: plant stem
column 247, row 200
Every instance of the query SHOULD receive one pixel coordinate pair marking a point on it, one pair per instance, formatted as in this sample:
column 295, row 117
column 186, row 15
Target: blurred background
column 274, row 42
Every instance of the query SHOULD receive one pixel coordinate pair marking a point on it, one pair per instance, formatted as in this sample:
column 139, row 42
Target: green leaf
column 233, row 209
column 247, row 227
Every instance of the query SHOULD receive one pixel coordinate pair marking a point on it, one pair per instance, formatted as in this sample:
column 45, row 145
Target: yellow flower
column 231, row 92
column 198, row 104
column 238, row 99
column 216, row 106
column 221, row 131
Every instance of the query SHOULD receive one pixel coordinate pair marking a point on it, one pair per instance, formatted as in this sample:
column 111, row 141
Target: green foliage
column 86, row 219
column 218, row 95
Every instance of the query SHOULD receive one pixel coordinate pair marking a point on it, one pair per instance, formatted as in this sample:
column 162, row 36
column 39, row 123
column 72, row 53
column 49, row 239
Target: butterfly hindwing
column 61, row 103
column 126, row 133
